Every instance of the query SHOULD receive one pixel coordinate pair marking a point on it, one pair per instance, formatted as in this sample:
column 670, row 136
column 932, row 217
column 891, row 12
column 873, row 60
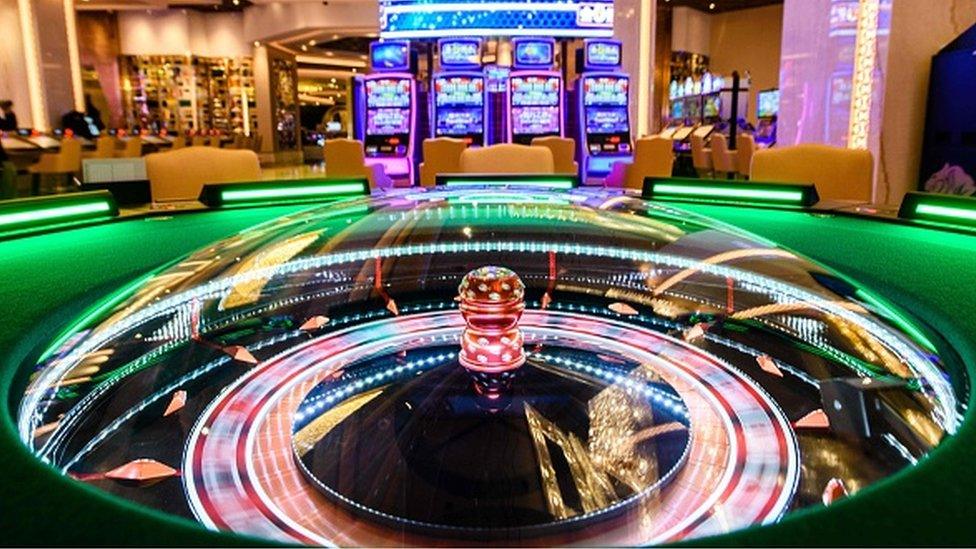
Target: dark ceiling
column 352, row 44
column 719, row 5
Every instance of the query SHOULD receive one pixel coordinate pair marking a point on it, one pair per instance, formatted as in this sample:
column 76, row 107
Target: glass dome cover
column 648, row 375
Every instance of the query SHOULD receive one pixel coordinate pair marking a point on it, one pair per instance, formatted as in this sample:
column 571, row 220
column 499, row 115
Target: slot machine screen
column 693, row 107
column 712, row 106
column 768, row 104
column 390, row 56
column 602, row 54
column 460, row 52
column 677, row 109
column 460, row 107
column 535, row 105
column 534, row 53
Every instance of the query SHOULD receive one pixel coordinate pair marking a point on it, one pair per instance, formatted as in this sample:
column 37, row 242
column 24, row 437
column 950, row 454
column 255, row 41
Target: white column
column 634, row 26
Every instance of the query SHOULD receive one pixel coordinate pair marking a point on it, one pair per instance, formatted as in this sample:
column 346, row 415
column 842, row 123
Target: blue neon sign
column 439, row 18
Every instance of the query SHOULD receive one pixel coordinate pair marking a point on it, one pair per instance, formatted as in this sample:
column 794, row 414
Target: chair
column 653, row 157
column 508, row 158
column 131, row 149
column 441, row 155
column 216, row 141
column 346, row 158
column 181, row 174
column 198, row 141
column 744, row 148
column 104, row 147
column 8, row 180
column 563, row 153
column 179, row 141
column 723, row 160
column 65, row 162
column 701, row 156
column 838, row 173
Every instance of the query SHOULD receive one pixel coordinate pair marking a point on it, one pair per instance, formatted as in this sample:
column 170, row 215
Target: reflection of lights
column 31, row 413
column 249, row 291
column 722, row 258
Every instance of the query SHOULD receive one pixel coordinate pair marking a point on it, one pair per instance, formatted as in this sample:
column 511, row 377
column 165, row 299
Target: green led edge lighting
column 896, row 318
column 726, row 192
column 946, row 212
column 563, row 184
column 45, row 215
column 243, row 195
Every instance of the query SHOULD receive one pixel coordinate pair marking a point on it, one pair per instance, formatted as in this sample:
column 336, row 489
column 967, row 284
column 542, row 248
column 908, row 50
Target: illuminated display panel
column 438, row 18
column 534, row 53
column 459, row 102
column 606, row 117
column 460, row 52
column 712, row 106
column 388, row 116
column 768, row 104
column 535, row 104
column 388, row 92
column 602, row 54
column 497, row 78
column 535, row 91
column 389, row 56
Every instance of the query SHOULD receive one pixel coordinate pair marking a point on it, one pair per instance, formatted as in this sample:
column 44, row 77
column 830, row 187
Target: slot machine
column 535, row 91
column 604, row 108
column 459, row 98
column 767, row 112
column 388, row 108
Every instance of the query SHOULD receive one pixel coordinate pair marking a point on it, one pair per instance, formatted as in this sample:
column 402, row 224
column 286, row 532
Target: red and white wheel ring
column 240, row 473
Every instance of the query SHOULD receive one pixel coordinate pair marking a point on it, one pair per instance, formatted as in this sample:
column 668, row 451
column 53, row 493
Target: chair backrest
column 181, row 174
column 344, row 158
column 563, row 153
column 70, row 155
column 838, row 173
column 700, row 158
column 215, row 141
column 132, row 148
column 441, row 155
column 199, row 141
column 239, row 141
column 653, row 157
column 179, row 141
column 745, row 146
column 722, row 161
column 104, row 147
column 508, row 158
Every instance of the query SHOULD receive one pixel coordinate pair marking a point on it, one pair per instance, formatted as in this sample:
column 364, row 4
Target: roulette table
column 296, row 374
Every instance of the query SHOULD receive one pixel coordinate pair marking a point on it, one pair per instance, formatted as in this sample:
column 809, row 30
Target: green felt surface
column 46, row 280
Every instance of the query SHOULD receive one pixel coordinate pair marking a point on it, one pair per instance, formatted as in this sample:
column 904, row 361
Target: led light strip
column 945, row 212
column 243, row 195
column 728, row 192
column 13, row 220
